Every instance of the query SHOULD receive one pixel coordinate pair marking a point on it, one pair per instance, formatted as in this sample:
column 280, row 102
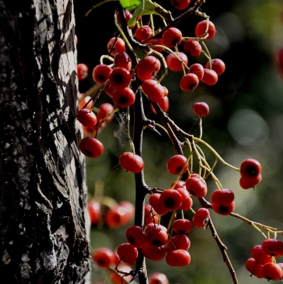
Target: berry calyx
column 124, row 97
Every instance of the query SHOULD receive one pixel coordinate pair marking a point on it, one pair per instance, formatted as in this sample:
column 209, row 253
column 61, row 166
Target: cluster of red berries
column 105, row 258
column 114, row 217
column 263, row 264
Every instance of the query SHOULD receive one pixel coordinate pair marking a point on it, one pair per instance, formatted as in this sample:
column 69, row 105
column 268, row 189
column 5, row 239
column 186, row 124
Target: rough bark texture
column 42, row 191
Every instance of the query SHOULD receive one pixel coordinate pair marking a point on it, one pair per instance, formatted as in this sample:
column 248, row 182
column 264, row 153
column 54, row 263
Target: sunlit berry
column 176, row 64
column 172, row 37
column 205, row 29
column 196, row 186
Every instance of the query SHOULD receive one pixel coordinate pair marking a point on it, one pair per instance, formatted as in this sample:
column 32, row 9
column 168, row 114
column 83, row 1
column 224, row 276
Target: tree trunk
column 43, row 236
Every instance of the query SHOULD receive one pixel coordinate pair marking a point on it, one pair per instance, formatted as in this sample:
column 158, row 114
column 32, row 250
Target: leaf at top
column 130, row 4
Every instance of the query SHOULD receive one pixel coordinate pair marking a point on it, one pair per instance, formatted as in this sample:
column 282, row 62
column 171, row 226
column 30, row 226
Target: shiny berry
column 176, row 64
column 178, row 257
column 176, row 164
column 131, row 162
column 124, row 97
column 192, row 47
column 172, row 37
column 127, row 253
column 201, row 109
column 205, row 29
column 189, row 82
column 91, row 147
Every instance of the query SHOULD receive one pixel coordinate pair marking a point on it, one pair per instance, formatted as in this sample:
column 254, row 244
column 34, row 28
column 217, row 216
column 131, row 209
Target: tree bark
column 43, row 235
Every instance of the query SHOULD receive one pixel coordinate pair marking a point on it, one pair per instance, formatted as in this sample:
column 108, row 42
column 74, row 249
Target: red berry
column 250, row 168
column 82, row 70
column 131, row 162
column 158, row 278
column 246, row 183
column 150, row 215
column 124, row 97
column 117, row 216
column 163, row 103
column 201, row 109
column 178, row 257
column 254, row 267
column 223, row 209
column 91, row 147
column 171, row 199
column 192, row 47
column 101, row 73
column 201, row 218
column 148, row 67
column 172, row 37
column 127, row 253
column 174, row 64
column 273, row 247
column 103, row 257
column 189, row 82
column 154, row 90
column 187, row 201
column 196, row 186
column 136, row 236
column 182, row 226
column 176, row 163
column 178, row 242
column 259, row 255
column 280, row 61
column 272, row 271
column 116, row 44
column 210, row 77
column 86, row 118
column 104, row 112
column 154, row 201
column 154, row 253
column 179, row 183
column 122, row 59
column 180, row 4
column 157, row 236
column 222, row 196
column 202, row 27
column 154, row 41
column 197, row 69
column 143, row 33
column 217, row 65
column 120, row 78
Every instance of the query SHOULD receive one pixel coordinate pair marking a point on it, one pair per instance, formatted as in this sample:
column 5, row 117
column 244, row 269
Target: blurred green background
column 245, row 120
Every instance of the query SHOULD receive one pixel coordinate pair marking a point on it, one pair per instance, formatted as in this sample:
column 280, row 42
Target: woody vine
column 138, row 59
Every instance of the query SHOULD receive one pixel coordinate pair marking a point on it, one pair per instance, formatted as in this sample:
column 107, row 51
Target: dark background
column 245, row 120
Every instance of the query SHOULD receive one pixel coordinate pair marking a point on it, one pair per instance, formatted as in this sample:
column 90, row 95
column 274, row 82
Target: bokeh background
column 245, row 120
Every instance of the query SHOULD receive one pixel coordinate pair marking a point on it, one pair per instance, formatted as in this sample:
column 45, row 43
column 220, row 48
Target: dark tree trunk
column 43, row 236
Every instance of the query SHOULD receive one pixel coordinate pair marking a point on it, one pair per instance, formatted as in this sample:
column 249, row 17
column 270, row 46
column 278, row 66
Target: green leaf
column 130, row 4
